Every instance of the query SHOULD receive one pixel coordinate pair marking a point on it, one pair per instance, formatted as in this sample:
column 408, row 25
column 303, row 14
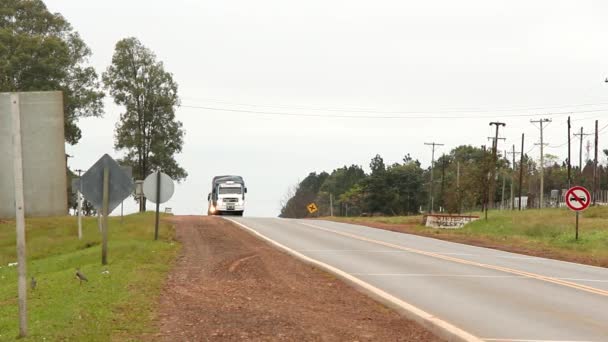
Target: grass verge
column 118, row 306
column 547, row 233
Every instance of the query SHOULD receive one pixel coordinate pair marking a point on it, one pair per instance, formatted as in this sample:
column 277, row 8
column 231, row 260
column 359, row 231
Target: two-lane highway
column 495, row 295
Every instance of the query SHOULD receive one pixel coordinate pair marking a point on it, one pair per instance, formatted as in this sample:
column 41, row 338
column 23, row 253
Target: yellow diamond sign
column 312, row 208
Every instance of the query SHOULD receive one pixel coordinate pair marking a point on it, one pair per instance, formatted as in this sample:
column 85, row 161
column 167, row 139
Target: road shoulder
column 228, row 285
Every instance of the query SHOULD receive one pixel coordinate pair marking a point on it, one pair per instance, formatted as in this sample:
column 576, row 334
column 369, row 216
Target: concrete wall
column 44, row 163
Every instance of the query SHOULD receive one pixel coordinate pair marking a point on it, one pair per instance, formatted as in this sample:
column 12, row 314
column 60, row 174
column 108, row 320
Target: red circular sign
column 578, row 198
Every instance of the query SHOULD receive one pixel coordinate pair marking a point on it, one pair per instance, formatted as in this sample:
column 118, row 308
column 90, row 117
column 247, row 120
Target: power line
column 377, row 111
column 380, row 117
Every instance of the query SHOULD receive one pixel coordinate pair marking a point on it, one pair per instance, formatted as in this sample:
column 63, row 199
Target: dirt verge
column 228, row 285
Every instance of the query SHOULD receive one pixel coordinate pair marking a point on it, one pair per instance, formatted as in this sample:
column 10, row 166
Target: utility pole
column 79, row 195
column 542, row 161
column 331, row 204
column 513, row 178
column 442, row 181
column 502, row 196
column 431, row 198
column 581, row 135
column 458, row 187
column 521, row 170
column 595, row 173
column 569, row 157
column 491, row 181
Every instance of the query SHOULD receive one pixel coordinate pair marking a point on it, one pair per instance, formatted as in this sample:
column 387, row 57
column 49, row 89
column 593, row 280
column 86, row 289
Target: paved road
column 495, row 295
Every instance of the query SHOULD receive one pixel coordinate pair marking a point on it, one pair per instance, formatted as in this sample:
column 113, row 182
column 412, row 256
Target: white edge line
column 437, row 326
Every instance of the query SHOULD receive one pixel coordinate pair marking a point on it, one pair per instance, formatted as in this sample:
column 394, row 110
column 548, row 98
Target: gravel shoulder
column 227, row 285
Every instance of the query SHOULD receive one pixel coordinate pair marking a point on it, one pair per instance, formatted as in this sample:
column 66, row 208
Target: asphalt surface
column 495, row 295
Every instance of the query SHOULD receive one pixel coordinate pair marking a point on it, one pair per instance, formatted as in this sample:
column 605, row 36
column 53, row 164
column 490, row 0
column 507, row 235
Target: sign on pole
column 105, row 185
column 158, row 188
column 312, row 208
column 577, row 198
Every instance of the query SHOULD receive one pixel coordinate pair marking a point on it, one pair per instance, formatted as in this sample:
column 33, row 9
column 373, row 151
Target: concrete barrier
column 44, row 159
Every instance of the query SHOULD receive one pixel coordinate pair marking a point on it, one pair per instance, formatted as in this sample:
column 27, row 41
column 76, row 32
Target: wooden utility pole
column 541, row 203
column 331, row 204
column 521, row 170
column 458, row 187
column 581, row 135
column 431, row 198
column 569, row 157
column 595, row 173
column 442, row 182
column 491, row 181
column 19, row 213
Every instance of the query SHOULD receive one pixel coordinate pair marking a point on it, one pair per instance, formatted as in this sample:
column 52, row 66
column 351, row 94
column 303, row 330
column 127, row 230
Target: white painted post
column 79, row 214
column 19, row 213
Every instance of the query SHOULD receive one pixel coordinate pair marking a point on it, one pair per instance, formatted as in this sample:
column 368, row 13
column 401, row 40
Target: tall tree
column 148, row 130
column 39, row 51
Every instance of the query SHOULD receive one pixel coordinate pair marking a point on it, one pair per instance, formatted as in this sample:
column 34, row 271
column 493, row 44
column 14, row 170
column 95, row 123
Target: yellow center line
column 468, row 262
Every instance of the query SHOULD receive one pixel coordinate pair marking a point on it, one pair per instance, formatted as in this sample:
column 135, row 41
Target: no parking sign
column 578, row 199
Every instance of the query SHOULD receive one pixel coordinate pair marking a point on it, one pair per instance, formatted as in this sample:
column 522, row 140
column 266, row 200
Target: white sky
column 440, row 58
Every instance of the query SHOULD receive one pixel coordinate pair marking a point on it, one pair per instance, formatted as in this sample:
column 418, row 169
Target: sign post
column 158, row 188
column 104, row 212
column 577, row 199
column 312, row 208
column 105, row 185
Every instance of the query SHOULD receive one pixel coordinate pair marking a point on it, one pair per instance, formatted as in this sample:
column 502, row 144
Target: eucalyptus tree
column 147, row 130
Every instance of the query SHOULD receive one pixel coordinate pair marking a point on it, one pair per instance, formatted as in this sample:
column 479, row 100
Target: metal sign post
column 105, row 185
column 158, row 188
column 19, row 214
column 157, row 204
column 577, row 198
column 104, row 213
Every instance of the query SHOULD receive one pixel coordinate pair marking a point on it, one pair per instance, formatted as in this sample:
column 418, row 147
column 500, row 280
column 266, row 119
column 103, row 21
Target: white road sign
column 166, row 187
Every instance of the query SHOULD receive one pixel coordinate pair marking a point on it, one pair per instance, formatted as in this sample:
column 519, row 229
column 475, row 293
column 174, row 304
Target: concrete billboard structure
column 44, row 159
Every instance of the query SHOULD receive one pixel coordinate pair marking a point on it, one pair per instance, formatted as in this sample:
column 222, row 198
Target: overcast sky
column 447, row 67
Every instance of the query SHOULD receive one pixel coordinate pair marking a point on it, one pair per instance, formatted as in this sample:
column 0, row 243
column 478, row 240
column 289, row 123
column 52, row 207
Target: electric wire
column 244, row 111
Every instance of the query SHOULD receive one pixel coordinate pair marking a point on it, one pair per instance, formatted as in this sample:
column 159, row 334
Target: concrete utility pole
column 513, row 178
column 19, row 214
column 491, row 181
column 541, row 122
column 431, row 198
column 595, row 173
column 581, row 135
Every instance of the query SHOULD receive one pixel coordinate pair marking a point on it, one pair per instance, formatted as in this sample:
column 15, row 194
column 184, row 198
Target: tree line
column 41, row 51
column 460, row 184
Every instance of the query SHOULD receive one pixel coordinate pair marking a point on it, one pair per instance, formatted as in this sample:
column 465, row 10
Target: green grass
column 548, row 231
column 116, row 306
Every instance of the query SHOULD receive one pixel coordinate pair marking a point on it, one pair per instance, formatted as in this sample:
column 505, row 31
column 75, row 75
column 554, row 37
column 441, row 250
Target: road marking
column 516, row 340
column 372, row 251
column 467, row 262
column 439, row 326
column 436, row 275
